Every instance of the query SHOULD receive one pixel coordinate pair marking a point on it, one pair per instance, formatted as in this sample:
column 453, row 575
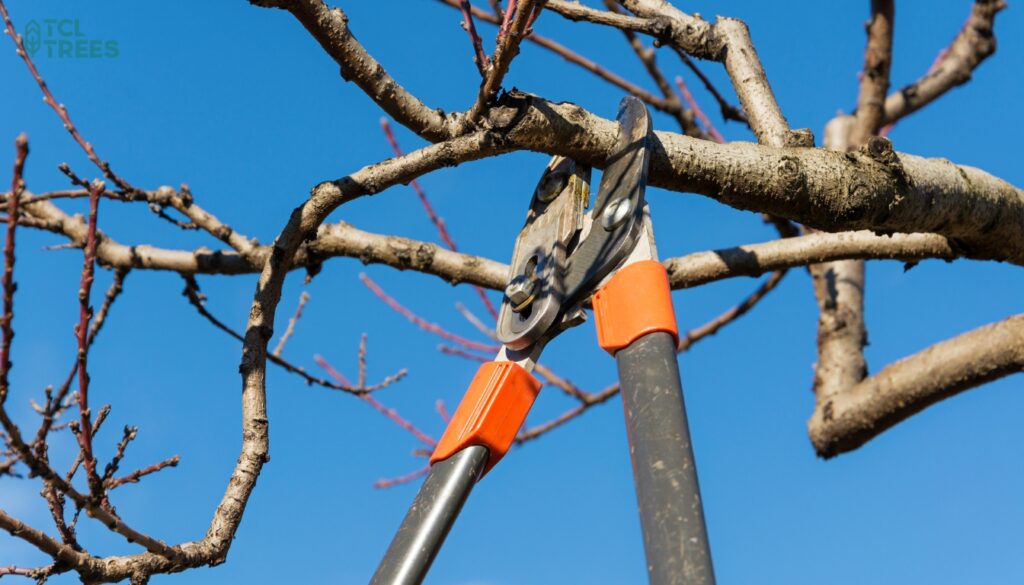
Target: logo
column 63, row 38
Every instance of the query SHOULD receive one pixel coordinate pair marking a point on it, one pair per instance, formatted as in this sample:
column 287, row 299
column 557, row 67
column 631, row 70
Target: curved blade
column 617, row 217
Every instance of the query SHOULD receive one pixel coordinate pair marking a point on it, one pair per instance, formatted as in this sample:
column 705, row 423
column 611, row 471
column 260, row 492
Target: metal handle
column 671, row 513
column 430, row 517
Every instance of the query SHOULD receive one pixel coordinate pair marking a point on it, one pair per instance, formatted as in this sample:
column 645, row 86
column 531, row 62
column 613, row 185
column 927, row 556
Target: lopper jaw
column 564, row 253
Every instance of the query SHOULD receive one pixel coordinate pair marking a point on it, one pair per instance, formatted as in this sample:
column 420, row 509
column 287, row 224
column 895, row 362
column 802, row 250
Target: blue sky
column 241, row 104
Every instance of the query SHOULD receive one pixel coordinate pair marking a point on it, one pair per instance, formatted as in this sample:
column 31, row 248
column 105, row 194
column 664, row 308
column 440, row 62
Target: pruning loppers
column 564, row 257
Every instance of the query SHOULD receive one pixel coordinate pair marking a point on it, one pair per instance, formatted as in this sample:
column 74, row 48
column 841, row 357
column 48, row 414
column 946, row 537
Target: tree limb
column 851, row 418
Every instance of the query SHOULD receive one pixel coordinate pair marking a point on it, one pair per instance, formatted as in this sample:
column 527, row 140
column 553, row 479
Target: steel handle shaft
column 430, row 517
column 671, row 513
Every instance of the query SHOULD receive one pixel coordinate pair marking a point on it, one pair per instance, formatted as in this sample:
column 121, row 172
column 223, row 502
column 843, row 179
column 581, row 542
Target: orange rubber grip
column 636, row 301
column 491, row 413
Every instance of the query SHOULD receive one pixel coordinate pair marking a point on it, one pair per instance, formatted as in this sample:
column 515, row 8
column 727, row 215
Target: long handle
column 480, row 433
column 636, row 323
column 671, row 513
column 430, row 517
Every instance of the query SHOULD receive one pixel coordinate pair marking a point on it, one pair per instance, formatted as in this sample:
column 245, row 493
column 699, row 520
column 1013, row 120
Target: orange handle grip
column 491, row 413
column 637, row 300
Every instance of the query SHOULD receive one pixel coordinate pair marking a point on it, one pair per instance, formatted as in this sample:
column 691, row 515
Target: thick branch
column 757, row 259
column 975, row 43
column 849, row 419
column 873, row 188
column 874, row 83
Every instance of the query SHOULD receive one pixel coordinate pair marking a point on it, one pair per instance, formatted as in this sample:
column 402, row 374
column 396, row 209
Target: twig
column 479, row 57
column 82, row 335
column 6, row 320
column 593, row 400
column 38, row 573
column 290, row 330
column 459, row 352
column 113, row 292
column 135, row 476
column 196, row 299
column 442, row 411
column 953, row 66
column 695, row 108
column 475, row 321
column 432, row 215
column 60, row 109
column 423, row 323
column 130, row 432
column 729, row 111
column 506, row 51
column 390, row 413
column 713, row 326
column 402, row 479
column 649, row 61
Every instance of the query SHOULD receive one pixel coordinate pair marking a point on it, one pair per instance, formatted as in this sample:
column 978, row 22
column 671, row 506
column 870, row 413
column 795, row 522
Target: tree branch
column 329, row 26
column 975, row 43
column 851, row 418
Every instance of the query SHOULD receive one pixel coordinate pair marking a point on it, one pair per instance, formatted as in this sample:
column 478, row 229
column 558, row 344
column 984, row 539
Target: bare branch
column 138, row 474
column 329, row 26
column 975, row 43
column 713, row 326
column 290, row 330
column 874, row 83
column 849, row 419
column 699, row 113
column 757, row 259
column 479, row 57
column 197, row 300
column 442, row 230
column 506, row 51
column 6, row 320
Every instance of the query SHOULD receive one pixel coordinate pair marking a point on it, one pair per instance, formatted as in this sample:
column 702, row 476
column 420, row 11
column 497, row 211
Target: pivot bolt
column 520, row 292
column 551, row 184
column 615, row 213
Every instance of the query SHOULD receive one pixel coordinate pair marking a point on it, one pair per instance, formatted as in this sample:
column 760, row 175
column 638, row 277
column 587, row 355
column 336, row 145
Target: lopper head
column 565, row 252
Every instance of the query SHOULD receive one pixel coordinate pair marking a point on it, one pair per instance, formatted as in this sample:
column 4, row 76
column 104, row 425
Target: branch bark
column 849, row 419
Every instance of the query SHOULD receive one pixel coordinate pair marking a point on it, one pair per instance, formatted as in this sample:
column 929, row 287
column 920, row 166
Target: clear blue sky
column 240, row 103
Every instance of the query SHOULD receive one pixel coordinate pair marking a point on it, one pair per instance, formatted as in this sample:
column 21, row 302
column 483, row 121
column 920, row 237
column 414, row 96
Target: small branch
column 729, row 111
column 60, row 109
column 475, row 321
column 402, row 479
column 695, row 108
column 421, row 322
column 479, row 57
column 442, row 411
column 197, row 300
column 7, row 319
column 756, row 259
column 577, row 59
column 390, row 413
column 466, row 355
column 975, row 43
column 432, row 215
column 592, row 400
column 290, row 330
column 38, row 573
column 135, row 476
column 130, row 433
column 82, row 336
column 874, row 82
column 329, row 26
column 713, row 326
column 506, row 51
column 113, row 293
